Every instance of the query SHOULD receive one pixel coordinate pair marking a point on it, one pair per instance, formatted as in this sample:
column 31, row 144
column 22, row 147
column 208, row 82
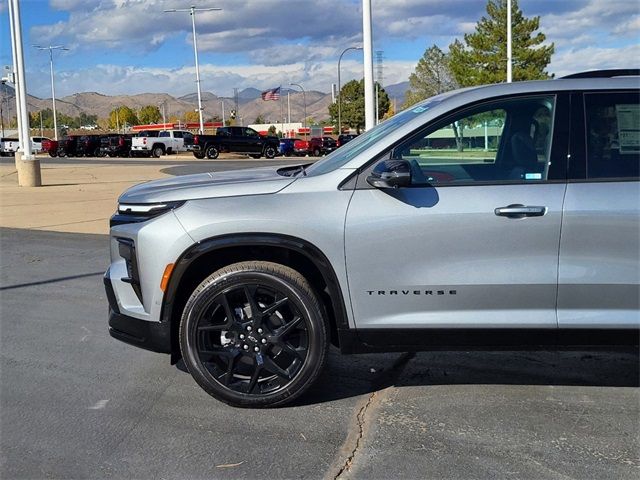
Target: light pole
column 53, row 89
column 304, row 99
column 192, row 11
column 164, row 118
column 509, row 41
column 339, row 88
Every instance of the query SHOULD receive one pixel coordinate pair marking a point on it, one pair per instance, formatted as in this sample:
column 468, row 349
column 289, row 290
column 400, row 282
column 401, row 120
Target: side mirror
column 391, row 173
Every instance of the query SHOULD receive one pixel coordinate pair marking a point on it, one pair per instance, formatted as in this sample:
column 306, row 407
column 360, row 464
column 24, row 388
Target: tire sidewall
column 269, row 151
column 212, row 152
column 308, row 307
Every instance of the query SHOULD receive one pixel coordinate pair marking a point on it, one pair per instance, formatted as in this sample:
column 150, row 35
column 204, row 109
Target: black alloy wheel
column 212, row 152
column 270, row 151
column 253, row 335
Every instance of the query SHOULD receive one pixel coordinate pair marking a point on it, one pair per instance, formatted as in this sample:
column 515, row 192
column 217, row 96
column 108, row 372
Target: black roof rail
column 626, row 72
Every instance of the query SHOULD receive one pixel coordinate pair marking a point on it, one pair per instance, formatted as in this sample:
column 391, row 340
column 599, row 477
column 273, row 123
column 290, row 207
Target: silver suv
column 502, row 216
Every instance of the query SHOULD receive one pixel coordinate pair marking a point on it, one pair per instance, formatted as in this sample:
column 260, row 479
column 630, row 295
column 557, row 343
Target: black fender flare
column 303, row 247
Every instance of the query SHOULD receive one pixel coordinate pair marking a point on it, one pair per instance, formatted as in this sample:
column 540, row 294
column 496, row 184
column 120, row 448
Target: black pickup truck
column 235, row 140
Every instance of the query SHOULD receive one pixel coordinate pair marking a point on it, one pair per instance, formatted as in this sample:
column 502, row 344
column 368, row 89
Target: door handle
column 520, row 211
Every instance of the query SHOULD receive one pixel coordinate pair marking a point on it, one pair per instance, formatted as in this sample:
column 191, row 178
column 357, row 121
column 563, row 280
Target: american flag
column 273, row 94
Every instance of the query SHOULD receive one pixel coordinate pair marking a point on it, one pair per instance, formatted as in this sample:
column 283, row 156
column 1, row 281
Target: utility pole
column 367, row 37
column 27, row 165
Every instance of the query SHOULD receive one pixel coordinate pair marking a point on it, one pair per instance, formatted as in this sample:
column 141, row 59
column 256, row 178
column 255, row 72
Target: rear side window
column 613, row 135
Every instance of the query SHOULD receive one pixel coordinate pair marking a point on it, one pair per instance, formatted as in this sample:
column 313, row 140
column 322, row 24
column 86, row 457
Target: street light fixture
column 304, row 99
column 51, row 48
column 192, row 11
column 340, row 88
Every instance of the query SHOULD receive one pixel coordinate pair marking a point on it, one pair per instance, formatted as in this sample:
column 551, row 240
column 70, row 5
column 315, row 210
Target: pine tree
column 482, row 58
column 431, row 77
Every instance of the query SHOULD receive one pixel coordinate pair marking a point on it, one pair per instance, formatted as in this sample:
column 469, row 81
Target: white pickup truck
column 8, row 146
column 161, row 142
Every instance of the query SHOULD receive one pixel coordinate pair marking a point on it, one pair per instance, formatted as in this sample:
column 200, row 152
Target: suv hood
column 254, row 181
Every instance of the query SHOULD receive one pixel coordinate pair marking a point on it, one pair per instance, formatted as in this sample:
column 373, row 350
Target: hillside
column 250, row 104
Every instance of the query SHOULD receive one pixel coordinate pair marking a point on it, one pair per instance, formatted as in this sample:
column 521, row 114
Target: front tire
column 253, row 335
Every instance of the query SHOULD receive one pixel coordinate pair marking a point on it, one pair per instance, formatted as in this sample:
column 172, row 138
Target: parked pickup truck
column 163, row 142
column 235, row 140
column 115, row 145
column 8, row 146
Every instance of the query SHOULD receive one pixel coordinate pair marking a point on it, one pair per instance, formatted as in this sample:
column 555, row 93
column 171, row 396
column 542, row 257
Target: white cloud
column 592, row 58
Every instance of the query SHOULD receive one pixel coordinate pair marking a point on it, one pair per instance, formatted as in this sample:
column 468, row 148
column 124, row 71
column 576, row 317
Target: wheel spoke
column 231, row 365
column 254, row 376
column 227, row 309
column 294, row 352
column 218, row 352
column 211, row 328
column 256, row 314
column 286, row 329
column 273, row 367
column 275, row 305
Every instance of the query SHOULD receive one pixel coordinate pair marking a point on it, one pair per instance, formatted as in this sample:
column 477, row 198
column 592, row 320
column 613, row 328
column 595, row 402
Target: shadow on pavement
column 347, row 376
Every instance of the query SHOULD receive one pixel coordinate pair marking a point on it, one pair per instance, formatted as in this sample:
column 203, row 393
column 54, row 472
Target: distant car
column 67, row 147
column 50, row 146
column 115, row 145
column 88, row 146
column 36, row 144
column 344, row 138
column 301, row 148
column 286, row 146
column 8, row 146
column 321, row 146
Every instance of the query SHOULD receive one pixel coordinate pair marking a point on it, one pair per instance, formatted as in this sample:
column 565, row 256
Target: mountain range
column 250, row 103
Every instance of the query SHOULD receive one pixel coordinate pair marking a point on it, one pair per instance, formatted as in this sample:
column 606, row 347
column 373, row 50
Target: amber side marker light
column 166, row 276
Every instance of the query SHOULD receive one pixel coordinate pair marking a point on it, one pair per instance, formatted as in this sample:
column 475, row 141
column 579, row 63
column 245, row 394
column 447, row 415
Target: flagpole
column 281, row 113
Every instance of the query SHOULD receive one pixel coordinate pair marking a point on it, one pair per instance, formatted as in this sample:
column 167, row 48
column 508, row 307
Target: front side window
column 177, row 134
column 503, row 141
column 613, row 135
column 250, row 132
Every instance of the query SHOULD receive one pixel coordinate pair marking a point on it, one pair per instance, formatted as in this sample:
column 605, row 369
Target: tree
column 352, row 111
column 431, row 77
column 272, row 130
column 259, row 120
column 149, row 114
column 191, row 116
column 482, row 58
column 122, row 116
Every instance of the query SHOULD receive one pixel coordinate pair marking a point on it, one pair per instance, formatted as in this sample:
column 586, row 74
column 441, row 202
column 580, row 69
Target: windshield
column 344, row 154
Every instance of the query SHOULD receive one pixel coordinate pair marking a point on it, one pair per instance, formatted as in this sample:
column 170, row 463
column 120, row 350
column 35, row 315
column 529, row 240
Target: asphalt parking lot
column 77, row 404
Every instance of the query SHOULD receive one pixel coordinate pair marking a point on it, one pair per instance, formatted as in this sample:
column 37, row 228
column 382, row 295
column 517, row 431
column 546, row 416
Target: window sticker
column 628, row 116
column 533, row 176
column 419, row 109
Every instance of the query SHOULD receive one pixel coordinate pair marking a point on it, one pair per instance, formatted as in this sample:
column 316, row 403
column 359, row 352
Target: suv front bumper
column 154, row 336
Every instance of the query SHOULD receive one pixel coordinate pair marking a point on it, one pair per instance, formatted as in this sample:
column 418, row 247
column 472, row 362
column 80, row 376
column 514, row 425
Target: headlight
column 141, row 212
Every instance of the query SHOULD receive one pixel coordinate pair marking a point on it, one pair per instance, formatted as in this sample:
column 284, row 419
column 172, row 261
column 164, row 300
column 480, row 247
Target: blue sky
column 131, row 46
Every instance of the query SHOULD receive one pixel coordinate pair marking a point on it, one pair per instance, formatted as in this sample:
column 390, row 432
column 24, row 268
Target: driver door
column 473, row 241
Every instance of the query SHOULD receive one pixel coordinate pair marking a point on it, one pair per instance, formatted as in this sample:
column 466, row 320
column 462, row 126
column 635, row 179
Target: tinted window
column 613, row 135
column 250, row 132
column 164, row 134
column 503, row 141
column 177, row 134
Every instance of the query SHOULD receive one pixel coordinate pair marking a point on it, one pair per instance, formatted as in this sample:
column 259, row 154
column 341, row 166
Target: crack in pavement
column 385, row 380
